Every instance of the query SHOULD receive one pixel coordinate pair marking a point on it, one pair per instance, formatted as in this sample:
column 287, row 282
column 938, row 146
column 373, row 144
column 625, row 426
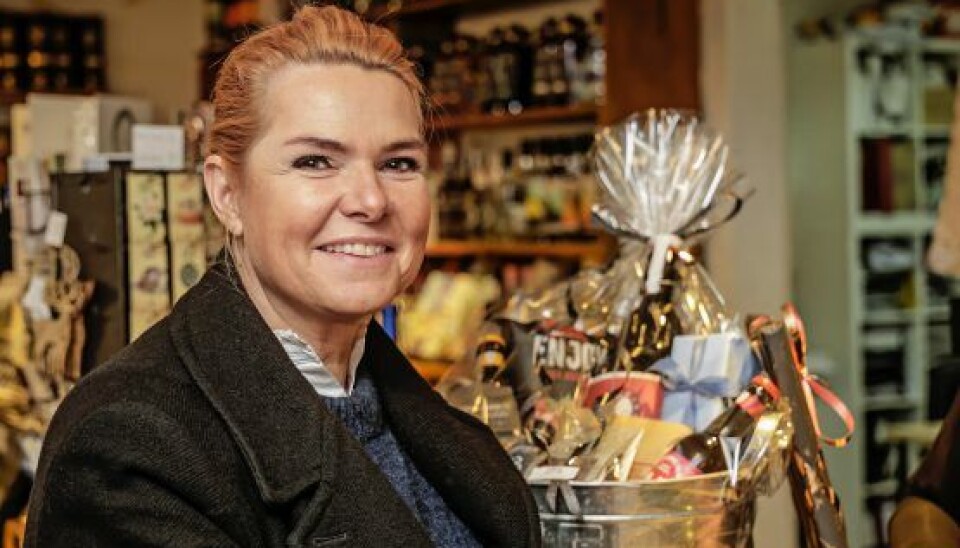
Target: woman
column 268, row 409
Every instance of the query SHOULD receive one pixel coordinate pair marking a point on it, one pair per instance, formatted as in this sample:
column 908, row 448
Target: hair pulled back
column 325, row 35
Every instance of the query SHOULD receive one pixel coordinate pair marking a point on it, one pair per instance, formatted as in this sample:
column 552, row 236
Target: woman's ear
column 223, row 191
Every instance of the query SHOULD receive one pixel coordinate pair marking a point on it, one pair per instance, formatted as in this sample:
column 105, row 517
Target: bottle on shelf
column 511, row 68
column 458, row 211
column 512, row 196
column 216, row 31
column 10, row 56
column 545, row 64
column 541, row 193
column 87, row 50
column 595, row 62
column 517, row 63
column 38, row 53
column 439, row 83
column 576, row 46
column 702, row 452
column 463, row 85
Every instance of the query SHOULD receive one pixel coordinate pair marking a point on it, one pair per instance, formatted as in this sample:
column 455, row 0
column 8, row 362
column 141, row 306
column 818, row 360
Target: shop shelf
column 884, row 133
column 889, row 402
column 937, row 313
column 533, row 115
column 413, row 7
column 468, row 248
column 886, row 488
column 888, row 316
column 15, row 97
column 894, row 223
column 936, row 130
column 941, row 45
column 12, row 97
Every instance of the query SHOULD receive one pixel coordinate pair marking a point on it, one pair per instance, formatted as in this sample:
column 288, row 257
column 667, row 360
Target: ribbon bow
column 719, row 212
column 812, row 385
column 699, row 372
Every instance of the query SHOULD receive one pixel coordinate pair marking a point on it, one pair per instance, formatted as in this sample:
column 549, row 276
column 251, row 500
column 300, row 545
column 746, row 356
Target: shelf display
column 874, row 180
column 42, row 335
column 143, row 238
column 51, row 52
column 514, row 68
column 540, row 192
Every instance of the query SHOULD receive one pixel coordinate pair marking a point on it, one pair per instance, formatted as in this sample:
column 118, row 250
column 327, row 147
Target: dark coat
column 203, row 433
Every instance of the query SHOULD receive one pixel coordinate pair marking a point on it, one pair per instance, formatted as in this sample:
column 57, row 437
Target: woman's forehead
column 340, row 102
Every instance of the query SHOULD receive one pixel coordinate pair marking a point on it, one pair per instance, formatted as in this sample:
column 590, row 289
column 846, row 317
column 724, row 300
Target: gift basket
column 638, row 407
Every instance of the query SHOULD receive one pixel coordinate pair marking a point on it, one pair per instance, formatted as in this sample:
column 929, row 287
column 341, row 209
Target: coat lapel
column 243, row 370
column 457, row 454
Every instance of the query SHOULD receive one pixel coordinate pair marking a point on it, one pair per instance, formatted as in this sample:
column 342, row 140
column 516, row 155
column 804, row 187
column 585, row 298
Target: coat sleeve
column 938, row 478
column 124, row 475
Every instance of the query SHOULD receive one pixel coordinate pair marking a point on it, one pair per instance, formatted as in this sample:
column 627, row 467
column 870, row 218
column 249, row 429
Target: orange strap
column 812, row 385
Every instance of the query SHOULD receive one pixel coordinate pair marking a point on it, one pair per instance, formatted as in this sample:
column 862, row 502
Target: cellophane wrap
column 664, row 182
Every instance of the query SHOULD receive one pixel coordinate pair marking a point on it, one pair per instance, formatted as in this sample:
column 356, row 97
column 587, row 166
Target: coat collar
column 244, row 371
column 291, row 441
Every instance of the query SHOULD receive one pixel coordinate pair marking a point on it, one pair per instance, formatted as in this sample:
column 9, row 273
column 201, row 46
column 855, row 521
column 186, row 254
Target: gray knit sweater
column 363, row 416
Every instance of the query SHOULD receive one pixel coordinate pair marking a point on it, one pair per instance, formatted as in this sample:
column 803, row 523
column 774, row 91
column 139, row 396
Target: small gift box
column 700, row 371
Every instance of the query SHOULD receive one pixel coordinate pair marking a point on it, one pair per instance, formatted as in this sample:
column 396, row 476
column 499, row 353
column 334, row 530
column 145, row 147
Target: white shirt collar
column 312, row 367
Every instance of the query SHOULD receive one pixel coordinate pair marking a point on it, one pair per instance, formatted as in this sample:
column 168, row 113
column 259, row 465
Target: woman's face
column 333, row 203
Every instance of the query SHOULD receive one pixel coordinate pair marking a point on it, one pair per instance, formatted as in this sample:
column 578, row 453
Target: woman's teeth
column 360, row 250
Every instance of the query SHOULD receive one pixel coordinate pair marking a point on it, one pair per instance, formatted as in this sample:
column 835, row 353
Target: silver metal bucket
column 693, row 512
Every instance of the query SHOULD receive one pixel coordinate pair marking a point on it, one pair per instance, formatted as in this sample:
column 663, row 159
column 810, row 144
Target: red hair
column 315, row 35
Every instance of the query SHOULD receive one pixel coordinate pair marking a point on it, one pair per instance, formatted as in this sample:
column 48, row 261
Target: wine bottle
column 702, row 452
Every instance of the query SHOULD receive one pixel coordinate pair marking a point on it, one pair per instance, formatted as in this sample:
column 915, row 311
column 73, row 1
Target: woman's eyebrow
column 317, row 142
column 408, row 144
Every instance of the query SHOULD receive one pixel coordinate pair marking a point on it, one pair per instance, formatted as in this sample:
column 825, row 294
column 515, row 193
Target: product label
column 564, row 352
column 674, row 465
column 56, row 229
column 633, row 394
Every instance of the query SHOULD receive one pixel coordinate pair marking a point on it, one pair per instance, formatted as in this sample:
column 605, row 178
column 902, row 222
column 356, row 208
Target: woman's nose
column 364, row 199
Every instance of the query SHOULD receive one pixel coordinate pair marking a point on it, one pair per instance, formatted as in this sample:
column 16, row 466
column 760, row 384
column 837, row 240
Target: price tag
column 553, row 473
column 34, row 302
column 56, row 229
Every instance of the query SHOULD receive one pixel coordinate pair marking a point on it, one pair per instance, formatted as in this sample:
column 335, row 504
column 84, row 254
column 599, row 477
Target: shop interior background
column 800, row 106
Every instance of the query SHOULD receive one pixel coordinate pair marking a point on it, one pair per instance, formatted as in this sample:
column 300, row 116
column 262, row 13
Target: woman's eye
column 312, row 161
column 402, row 165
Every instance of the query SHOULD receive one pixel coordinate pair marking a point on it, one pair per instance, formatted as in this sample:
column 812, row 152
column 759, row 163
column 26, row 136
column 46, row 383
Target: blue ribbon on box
column 700, row 371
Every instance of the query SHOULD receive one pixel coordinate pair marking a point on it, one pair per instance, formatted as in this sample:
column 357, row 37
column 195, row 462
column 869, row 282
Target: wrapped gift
column 700, row 372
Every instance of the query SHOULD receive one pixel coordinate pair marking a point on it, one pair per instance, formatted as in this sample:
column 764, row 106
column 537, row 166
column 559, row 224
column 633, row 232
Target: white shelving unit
column 827, row 101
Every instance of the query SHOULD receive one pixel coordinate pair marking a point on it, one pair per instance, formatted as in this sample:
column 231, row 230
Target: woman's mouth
column 356, row 249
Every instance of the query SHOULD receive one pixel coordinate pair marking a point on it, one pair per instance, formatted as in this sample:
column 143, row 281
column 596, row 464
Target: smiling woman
column 268, row 409
column 329, row 209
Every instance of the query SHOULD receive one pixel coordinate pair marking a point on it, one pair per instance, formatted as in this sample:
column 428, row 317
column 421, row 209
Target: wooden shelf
column 533, row 115
column 12, row 97
column 875, row 223
column 468, row 248
column 891, row 402
column 414, row 7
column 431, row 370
